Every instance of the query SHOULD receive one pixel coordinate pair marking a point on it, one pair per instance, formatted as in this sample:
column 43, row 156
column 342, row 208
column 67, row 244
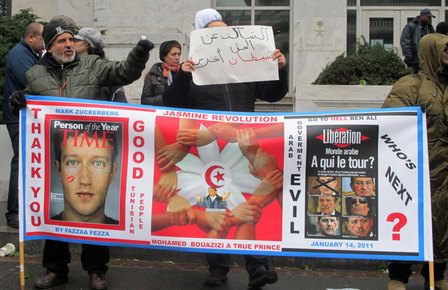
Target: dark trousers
column 414, row 67
column 56, row 256
column 253, row 263
column 401, row 271
column 13, row 192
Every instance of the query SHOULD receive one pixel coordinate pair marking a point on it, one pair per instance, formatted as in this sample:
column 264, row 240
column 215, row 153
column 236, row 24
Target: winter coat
column 20, row 59
column 83, row 77
column 410, row 38
column 183, row 93
column 154, row 86
column 429, row 89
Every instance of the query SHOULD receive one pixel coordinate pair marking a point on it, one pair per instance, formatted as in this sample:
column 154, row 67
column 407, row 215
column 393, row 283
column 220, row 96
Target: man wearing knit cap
column 61, row 72
column 183, row 93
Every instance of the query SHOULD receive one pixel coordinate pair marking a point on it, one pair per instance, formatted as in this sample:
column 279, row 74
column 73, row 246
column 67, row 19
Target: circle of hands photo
column 189, row 202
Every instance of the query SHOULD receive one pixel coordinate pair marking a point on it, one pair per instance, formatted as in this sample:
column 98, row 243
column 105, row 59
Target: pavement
column 137, row 274
column 137, row 268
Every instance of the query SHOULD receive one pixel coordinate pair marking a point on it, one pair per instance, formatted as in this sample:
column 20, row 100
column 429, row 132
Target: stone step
column 273, row 108
column 284, row 105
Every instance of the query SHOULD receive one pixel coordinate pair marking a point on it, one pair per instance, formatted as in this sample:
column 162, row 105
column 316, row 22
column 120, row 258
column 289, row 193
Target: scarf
column 167, row 69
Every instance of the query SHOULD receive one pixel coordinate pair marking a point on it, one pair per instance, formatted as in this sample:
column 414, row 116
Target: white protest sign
column 233, row 54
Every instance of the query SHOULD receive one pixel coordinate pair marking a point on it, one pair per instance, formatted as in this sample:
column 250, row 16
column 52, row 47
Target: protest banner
column 233, row 54
column 349, row 184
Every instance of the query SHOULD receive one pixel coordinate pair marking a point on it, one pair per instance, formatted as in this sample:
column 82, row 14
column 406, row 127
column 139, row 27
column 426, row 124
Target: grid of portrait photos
column 341, row 207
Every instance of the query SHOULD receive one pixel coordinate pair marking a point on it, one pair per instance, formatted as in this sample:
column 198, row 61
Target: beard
column 62, row 59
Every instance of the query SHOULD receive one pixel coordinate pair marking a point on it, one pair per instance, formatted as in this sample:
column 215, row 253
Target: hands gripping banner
column 342, row 184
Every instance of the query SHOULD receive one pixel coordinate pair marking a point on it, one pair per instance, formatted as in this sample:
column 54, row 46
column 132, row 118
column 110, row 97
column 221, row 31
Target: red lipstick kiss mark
column 70, row 178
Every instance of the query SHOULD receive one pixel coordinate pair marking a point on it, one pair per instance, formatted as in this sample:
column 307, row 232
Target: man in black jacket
column 411, row 35
column 183, row 93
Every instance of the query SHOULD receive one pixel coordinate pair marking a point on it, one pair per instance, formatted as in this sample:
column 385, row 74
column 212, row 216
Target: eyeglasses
column 359, row 200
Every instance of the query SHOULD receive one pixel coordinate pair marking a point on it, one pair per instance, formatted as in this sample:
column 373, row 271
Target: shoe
column 262, row 277
column 98, row 281
column 438, row 285
column 50, row 279
column 216, row 277
column 13, row 222
column 396, row 285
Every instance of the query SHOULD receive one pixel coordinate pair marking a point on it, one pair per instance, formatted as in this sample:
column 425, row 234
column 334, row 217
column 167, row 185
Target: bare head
column 33, row 36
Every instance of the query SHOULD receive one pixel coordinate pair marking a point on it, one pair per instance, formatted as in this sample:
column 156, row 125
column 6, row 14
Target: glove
column 17, row 101
column 143, row 47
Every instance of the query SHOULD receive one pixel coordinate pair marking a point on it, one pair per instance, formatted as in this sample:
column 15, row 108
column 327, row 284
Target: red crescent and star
column 219, row 176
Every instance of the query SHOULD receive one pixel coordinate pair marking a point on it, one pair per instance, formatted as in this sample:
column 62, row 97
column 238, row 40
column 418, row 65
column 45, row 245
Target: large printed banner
column 349, row 184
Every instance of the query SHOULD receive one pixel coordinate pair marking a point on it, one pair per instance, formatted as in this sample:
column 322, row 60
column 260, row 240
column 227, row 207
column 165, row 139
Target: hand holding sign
column 280, row 58
column 188, row 66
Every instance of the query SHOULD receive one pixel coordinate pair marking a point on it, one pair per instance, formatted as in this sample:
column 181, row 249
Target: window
column 382, row 32
column 351, row 32
column 400, row 2
column 236, row 17
column 276, row 18
column 5, row 7
column 233, row 3
column 275, row 13
column 248, row 3
column 271, row 2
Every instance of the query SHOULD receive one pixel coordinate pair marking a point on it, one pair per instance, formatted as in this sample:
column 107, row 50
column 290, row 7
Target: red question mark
column 402, row 220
